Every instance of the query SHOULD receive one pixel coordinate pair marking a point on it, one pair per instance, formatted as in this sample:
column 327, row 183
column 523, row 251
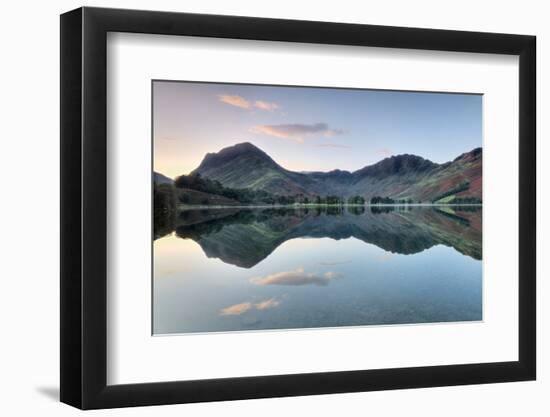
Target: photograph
column 281, row 204
column 297, row 207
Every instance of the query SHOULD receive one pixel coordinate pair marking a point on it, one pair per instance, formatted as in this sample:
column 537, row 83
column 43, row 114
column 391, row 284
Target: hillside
column 467, row 168
column 244, row 166
column 194, row 197
column 161, row 179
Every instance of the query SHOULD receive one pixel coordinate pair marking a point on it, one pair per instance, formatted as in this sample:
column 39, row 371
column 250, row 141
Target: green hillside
column 401, row 177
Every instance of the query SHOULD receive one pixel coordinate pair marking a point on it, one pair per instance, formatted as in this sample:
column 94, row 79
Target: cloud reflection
column 235, row 309
column 296, row 278
column 238, row 309
column 267, row 304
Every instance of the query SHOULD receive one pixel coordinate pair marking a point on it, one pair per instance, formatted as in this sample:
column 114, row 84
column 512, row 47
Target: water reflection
column 245, row 237
column 280, row 268
column 296, row 277
column 241, row 308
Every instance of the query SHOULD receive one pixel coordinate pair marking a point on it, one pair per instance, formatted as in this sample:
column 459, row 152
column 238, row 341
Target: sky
column 308, row 128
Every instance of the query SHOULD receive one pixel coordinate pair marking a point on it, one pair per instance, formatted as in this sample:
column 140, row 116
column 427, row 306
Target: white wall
column 29, row 218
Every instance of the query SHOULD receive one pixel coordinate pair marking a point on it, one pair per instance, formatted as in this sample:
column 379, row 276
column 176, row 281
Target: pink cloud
column 236, row 101
column 264, row 105
column 243, row 103
column 297, row 131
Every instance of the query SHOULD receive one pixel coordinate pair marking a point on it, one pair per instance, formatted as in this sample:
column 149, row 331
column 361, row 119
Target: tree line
column 164, row 209
column 466, row 200
column 387, row 200
column 249, row 196
column 245, row 195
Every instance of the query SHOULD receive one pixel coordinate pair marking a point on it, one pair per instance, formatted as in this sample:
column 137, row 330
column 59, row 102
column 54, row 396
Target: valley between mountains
column 243, row 174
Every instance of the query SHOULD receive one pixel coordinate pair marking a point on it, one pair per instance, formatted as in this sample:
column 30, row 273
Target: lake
column 234, row 269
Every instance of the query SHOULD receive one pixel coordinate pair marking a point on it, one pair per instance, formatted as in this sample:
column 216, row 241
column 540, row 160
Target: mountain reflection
column 244, row 237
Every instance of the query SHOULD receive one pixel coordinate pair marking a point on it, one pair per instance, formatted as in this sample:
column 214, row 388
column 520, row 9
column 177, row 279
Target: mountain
column 161, row 179
column 246, row 166
column 410, row 176
column 448, row 177
column 398, row 177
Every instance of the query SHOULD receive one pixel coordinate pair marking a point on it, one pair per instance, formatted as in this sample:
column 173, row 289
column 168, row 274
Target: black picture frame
column 84, row 207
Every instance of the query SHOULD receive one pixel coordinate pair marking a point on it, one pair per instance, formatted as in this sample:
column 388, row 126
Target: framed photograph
column 258, row 208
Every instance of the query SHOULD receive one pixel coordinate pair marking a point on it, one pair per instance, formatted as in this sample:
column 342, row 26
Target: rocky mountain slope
column 398, row 177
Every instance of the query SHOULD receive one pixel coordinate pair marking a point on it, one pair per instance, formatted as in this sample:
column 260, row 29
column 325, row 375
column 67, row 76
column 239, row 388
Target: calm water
column 230, row 269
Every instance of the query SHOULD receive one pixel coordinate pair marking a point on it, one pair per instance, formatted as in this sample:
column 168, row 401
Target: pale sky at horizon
column 309, row 129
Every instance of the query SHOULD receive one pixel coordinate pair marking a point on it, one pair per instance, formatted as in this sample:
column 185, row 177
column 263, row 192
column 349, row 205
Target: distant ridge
column 400, row 177
column 161, row 179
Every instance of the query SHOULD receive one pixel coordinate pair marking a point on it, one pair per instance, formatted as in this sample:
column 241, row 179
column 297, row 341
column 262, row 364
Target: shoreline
column 183, row 207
